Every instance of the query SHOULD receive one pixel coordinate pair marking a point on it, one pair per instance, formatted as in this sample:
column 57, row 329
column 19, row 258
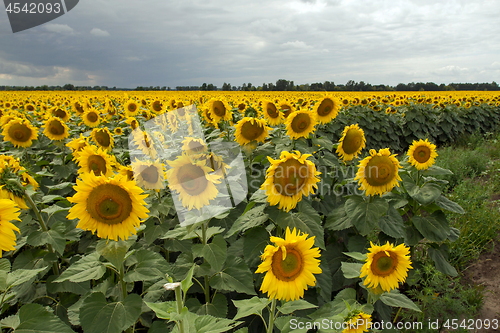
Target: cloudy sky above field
column 129, row 43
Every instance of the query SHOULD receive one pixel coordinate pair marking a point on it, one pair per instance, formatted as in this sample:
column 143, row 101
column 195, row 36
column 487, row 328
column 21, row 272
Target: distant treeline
column 283, row 85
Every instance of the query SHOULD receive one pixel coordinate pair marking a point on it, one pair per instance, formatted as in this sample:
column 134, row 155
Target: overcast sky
column 129, row 43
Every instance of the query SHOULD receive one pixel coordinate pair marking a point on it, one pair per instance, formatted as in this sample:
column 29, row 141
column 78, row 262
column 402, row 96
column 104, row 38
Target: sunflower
column 286, row 108
column 131, row 108
column 8, row 212
column 422, row 154
column 173, row 124
column 149, row 175
column 194, row 146
column 91, row 117
column 289, row 178
column 143, row 142
column 351, row 143
column 113, row 207
column 219, row 110
column 251, row 129
column 77, row 107
column 132, row 121
column 357, row 322
column 20, row 132
column 103, row 138
column 60, row 113
column 96, row 161
column 289, row 266
column 300, row 124
column 193, row 181
column 271, row 113
column 378, row 173
column 156, row 106
column 118, row 131
column 386, row 266
column 56, row 129
column 326, row 109
column 126, row 171
column 77, row 144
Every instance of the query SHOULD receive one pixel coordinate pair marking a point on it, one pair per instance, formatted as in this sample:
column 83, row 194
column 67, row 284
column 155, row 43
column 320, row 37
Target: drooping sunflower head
column 92, row 159
column 251, row 129
column 271, row 113
column 193, row 180
column 20, row 132
column 194, row 146
column 289, row 266
column 386, row 266
column 357, row 322
column 91, row 117
column 351, row 143
column 422, row 154
column 149, row 175
column 77, row 144
column 103, row 138
column 132, row 121
column 144, row 142
column 60, row 113
column 290, row 178
column 378, row 173
column 300, row 124
column 56, row 129
column 327, row 109
column 8, row 212
column 112, row 207
column 77, row 107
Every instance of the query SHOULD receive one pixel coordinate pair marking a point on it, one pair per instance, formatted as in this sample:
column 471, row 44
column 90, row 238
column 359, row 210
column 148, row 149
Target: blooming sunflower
column 144, row 142
column 300, row 124
column 422, row 154
column 219, row 110
column 351, row 143
column 386, row 266
column 96, row 161
column 378, row 173
column 132, row 121
column 156, row 106
column 60, row 113
column 131, row 108
column 56, row 129
column 271, row 113
column 289, row 266
column 91, row 117
column 194, row 146
column 327, row 109
column 118, row 131
column 113, row 207
column 149, row 175
column 358, row 322
column 20, row 132
column 251, row 129
column 103, row 138
column 173, row 124
column 77, row 107
column 8, row 212
column 193, row 180
column 289, row 178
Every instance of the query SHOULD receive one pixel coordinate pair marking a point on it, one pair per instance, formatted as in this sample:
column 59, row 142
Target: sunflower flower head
column 422, row 154
column 8, row 212
column 20, row 132
column 289, row 178
column 357, row 322
column 112, row 207
column 386, row 266
column 327, row 109
column 289, row 266
column 56, row 129
column 378, row 173
column 351, row 143
column 251, row 129
column 300, row 124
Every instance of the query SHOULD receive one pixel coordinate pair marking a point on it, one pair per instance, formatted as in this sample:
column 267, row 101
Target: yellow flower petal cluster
column 251, row 129
column 386, row 266
column 289, row 266
column 8, row 212
column 422, row 154
column 351, row 143
column 378, row 173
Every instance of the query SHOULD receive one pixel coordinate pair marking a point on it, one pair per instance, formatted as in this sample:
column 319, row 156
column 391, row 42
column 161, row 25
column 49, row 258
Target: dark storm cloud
column 168, row 43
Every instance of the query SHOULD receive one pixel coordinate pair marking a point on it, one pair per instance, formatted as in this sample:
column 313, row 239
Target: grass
column 474, row 185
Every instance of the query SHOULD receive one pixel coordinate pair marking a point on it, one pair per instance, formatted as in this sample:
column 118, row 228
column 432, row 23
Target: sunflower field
column 223, row 211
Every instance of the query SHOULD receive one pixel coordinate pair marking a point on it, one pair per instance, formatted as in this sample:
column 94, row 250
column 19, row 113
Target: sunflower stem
column 396, row 317
column 178, row 300
column 123, row 283
column 270, row 327
column 31, row 203
column 204, row 242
